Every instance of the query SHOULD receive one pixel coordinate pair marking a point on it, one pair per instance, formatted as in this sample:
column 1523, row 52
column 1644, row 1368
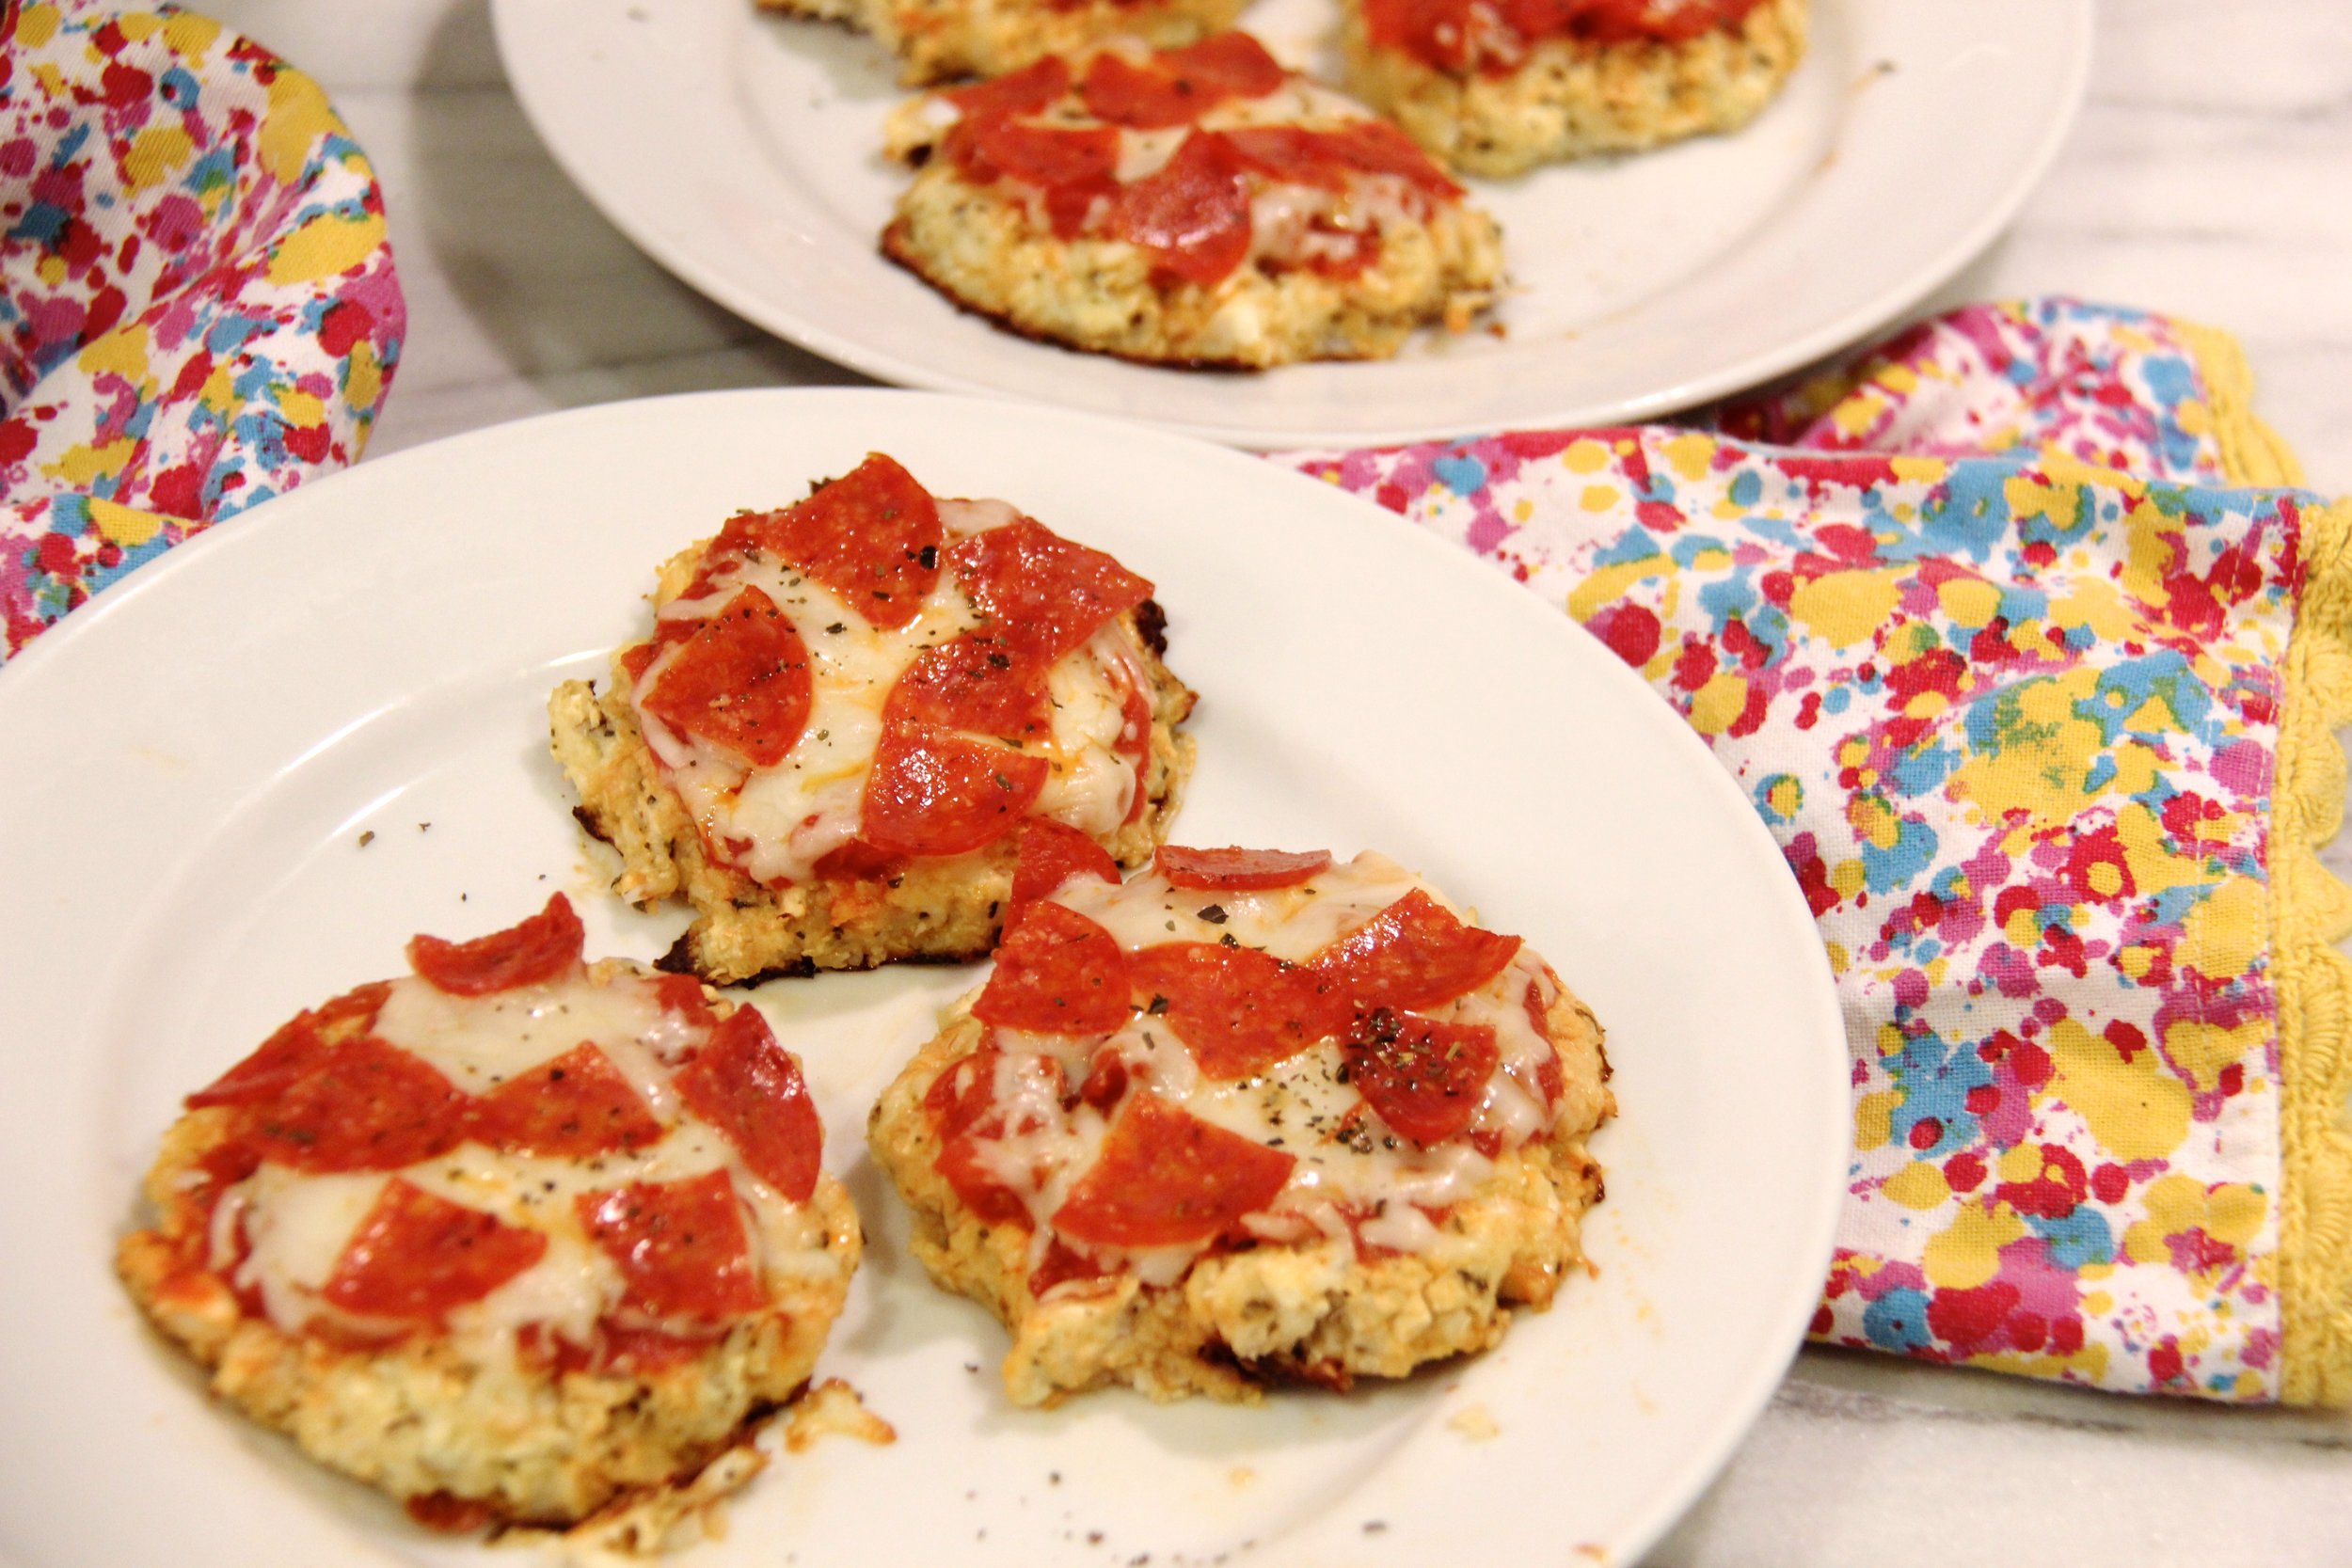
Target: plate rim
column 2071, row 27
column 1734, row 1415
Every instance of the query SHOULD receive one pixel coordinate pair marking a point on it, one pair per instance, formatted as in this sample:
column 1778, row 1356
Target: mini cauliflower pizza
column 1497, row 87
column 514, row 1238
column 1251, row 1117
column 938, row 41
column 1198, row 207
column 845, row 709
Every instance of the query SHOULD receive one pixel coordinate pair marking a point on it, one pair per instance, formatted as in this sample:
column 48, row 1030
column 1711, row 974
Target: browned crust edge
column 896, row 249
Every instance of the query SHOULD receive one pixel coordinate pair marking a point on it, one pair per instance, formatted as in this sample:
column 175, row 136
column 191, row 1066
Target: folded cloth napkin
column 2023, row 650
column 198, row 306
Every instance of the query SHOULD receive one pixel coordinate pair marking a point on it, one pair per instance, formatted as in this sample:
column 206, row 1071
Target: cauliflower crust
column 938, row 41
column 419, row 1421
column 1272, row 1313
column 1572, row 99
column 979, row 245
column 942, row 910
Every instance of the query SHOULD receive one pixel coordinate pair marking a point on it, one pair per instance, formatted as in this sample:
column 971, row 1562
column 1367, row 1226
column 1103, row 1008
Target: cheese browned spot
column 846, row 710
column 1192, row 207
column 513, row 1237
column 1198, row 1133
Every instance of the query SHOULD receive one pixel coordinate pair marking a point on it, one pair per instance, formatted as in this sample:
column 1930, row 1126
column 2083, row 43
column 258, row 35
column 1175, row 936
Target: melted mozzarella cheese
column 1044, row 1151
column 565, row 1292
column 1291, row 923
column 297, row 1227
column 1090, row 783
column 960, row 518
column 1296, row 102
column 479, row 1043
column 1303, row 224
column 1514, row 1108
column 1144, row 152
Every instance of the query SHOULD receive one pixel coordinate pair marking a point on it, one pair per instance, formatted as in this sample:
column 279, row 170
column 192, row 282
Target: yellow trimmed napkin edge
column 2252, row 451
column 2310, row 910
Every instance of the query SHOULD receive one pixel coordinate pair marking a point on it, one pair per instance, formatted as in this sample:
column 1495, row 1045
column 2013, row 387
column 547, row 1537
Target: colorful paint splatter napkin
column 2017, row 638
column 198, row 306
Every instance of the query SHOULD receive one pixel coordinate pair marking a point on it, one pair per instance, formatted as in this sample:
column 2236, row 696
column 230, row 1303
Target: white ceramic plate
column 193, row 762
column 741, row 152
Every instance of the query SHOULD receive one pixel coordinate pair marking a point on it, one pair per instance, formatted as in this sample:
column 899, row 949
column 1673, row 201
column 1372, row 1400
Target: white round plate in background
column 742, row 150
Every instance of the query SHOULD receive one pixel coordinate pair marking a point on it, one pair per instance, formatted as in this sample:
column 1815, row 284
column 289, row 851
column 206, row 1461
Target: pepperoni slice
column 572, row 1107
column 1326, row 159
column 1191, row 215
column 1106, row 1082
column 856, row 861
column 1424, row 1077
column 638, row 657
column 364, row 1105
column 1178, row 86
column 962, row 1106
column 1232, row 65
column 682, row 994
column 1043, row 596
column 962, row 1096
column 741, row 681
column 1290, row 153
column 1376, row 147
column 1135, row 738
column 417, row 1254
column 1239, row 1010
column 974, row 682
column 935, row 794
column 1018, row 92
column 540, row 948
column 1240, row 870
column 680, row 1245
column 1438, row 33
column 990, row 1200
column 749, row 1086
column 1414, row 954
column 1072, row 164
column 1040, row 155
column 1124, row 93
column 1050, row 853
column 871, row 537
column 1058, row 973
column 291, row 1053
column 1165, row 1178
